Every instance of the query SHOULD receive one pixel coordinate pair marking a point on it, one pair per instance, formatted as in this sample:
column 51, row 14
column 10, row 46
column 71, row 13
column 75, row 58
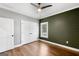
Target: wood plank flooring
column 39, row 48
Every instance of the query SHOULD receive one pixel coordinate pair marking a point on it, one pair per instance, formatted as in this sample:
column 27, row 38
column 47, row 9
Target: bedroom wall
column 63, row 27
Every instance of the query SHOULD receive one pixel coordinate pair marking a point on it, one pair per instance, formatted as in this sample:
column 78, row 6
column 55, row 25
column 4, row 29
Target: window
column 44, row 29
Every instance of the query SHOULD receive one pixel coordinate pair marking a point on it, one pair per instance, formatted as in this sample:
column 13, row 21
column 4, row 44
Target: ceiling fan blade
column 46, row 6
column 34, row 5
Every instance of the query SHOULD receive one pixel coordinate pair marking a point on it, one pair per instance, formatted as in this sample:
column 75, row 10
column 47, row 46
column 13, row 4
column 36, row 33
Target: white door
column 29, row 31
column 33, row 31
column 6, row 34
column 24, row 32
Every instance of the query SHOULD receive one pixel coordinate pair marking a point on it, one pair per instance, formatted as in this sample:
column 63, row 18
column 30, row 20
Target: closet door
column 25, row 32
column 29, row 31
column 6, row 34
column 33, row 31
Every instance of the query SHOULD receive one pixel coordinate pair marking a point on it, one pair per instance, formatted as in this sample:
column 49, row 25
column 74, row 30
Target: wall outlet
column 67, row 42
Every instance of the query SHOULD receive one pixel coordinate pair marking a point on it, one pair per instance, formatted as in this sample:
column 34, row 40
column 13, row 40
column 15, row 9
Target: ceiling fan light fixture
column 39, row 9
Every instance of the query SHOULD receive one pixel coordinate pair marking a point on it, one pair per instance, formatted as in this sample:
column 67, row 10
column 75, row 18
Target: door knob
column 12, row 35
column 30, row 33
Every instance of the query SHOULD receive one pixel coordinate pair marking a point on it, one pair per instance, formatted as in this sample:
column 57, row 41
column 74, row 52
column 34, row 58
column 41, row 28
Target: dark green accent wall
column 63, row 27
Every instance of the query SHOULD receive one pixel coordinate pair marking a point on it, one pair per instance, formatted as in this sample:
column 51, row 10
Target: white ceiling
column 31, row 11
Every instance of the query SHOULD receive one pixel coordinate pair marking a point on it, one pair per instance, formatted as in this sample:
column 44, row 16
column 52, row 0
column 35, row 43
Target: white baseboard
column 23, row 44
column 18, row 45
column 70, row 48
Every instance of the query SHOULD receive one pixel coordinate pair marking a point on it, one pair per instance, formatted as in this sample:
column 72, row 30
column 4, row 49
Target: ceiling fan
column 39, row 7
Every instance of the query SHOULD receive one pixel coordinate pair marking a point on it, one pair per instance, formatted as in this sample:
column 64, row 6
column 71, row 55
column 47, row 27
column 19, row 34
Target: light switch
column 67, row 42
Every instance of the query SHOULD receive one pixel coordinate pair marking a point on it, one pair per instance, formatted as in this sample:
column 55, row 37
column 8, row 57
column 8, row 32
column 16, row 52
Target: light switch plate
column 67, row 42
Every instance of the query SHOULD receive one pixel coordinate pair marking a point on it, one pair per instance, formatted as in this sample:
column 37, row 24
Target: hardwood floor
column 39, row 48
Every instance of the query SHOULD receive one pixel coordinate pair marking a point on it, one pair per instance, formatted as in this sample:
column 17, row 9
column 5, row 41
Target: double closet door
column 29, row 31
column 6, row 34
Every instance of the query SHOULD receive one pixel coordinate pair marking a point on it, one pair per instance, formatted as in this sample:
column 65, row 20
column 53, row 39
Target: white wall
column 17, row 22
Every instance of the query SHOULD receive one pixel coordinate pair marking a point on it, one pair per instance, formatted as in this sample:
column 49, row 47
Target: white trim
column 24, row 43
column 6, row 50
column 18, row 45
column 15, row 46
column 70, row 48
